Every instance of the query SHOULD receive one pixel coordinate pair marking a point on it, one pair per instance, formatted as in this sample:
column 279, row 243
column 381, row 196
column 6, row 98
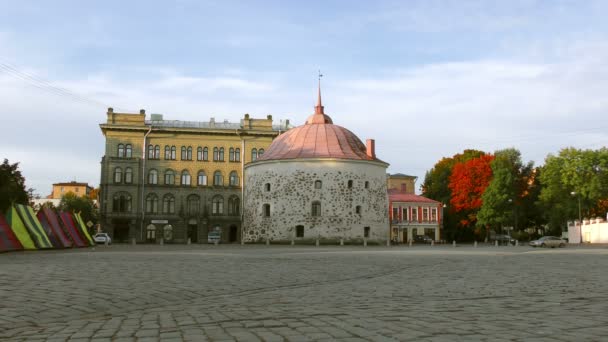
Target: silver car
column 548, row 241
column 102, row 238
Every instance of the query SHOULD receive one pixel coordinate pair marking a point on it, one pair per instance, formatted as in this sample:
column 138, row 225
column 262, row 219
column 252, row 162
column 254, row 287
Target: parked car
column 102, row 238
column 548, row 241
column 422, row 239
column 503, row 239
column 214, row 236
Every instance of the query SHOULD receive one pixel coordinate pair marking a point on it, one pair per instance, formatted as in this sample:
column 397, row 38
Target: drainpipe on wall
column 143, row 184
column 243, row 154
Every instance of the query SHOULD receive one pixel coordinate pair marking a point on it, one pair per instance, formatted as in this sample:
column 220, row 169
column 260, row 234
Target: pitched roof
column 395, row 196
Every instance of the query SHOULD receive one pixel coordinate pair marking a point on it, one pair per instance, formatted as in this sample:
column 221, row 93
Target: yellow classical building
column 60, row 189
column 176, row 180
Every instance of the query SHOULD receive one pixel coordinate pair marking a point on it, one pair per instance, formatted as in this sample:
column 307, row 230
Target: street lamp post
column 580, row 219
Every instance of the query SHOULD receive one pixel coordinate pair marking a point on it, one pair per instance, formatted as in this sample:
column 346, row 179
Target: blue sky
column 426, row 79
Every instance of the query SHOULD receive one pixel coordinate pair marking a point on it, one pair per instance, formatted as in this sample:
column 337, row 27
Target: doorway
column 193, row 233
column 233, row 234
column 121, row 230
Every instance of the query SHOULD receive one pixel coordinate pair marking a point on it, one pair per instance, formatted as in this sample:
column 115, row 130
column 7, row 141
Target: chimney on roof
column 371, row 148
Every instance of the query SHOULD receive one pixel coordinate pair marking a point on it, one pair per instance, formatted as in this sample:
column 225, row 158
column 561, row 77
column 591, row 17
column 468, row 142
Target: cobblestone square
column 305, row 293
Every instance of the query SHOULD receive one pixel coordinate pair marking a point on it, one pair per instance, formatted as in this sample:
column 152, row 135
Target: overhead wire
column 15, row 72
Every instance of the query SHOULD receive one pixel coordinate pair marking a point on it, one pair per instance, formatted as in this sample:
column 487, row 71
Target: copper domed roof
column 318, row 138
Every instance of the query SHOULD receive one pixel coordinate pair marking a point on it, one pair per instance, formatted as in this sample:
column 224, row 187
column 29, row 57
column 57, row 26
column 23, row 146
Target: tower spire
column 319, row 106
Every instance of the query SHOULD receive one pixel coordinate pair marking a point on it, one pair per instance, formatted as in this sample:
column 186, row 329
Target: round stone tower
column 316, row 181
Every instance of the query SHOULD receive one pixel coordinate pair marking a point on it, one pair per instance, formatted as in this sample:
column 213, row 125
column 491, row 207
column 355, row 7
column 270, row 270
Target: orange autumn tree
column 468, row 182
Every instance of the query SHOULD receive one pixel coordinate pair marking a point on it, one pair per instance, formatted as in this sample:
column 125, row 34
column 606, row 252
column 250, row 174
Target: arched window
column 216, row 153
column 153, row 177
column 231, row 154
column 254, row 154
column 150, row 151
column 173, row 153
column 168, row 204
column 358, row 209
column 267, row 187
column 117, row 175
column 167, row 152
column 121, row 150
column 169, row 177
column 266, row 210
column 156, row 152
column 202, row 178
column 233, row 205
column 192, row 204
column 260, row 152
column 185, row 177
column 221, row 154
column 367, row 184
column 318, row 184
column 217, row 178
column 121, row 203
column 128, row 175
column 237, row 155
column 234, row 178
column 217, row 205
column 128, row 151
column 205, row 154
column 316, row 208
column 151, row 232
column 199, row 153
column 152, row 204
column 184, row 156
column 350, row 184
column 189, row 153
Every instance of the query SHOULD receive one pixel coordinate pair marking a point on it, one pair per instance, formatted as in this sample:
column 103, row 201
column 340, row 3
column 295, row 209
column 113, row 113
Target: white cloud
column 421, row 114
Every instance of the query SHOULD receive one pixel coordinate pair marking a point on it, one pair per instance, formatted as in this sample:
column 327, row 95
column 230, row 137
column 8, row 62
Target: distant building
column 316, row 181
column 79, row 189
column 591, row 231
column 411, row 214
column 402, row 183
column 177, row 180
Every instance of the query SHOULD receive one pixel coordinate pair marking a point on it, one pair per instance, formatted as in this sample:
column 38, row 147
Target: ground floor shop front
column 407, row 233
column 173, row 230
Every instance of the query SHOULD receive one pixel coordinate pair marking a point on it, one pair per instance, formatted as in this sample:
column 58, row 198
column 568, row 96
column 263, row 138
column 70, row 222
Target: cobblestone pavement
column 285, row 293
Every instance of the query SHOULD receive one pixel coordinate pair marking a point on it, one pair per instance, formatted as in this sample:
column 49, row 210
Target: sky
column 426, row 79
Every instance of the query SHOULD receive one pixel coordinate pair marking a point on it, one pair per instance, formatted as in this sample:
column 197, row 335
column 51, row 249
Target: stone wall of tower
column 292, row 193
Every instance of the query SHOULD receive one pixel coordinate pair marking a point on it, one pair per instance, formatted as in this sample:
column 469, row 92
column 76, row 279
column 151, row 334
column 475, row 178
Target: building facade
column 79, row 189
column 410, row 214
column 317, row 182
column 177, row 180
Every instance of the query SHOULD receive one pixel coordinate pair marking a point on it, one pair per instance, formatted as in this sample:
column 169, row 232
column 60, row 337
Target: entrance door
column 121, row 230
column 193, row 233
column 233, row 234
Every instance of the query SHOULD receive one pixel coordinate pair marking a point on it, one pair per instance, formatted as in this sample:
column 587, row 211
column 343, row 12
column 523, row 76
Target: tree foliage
column 506, row 200
column 12, row 186
column 79, row 204
column 582, row 172
column 436, row 186
column 468, row 182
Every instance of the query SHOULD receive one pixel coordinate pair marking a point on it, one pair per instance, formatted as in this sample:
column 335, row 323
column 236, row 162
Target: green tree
column 582, row 172
column 504, row 201
column 12, row 186
column 79, row 204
